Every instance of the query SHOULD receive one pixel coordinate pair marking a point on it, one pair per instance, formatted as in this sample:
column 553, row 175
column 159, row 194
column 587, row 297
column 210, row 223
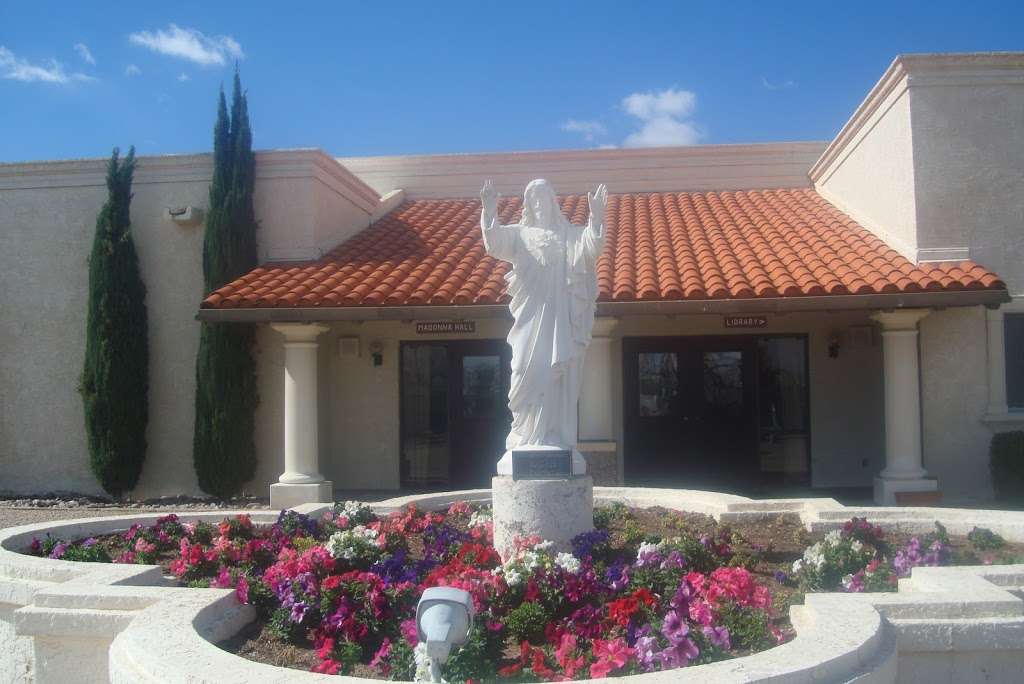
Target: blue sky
column 77, row 79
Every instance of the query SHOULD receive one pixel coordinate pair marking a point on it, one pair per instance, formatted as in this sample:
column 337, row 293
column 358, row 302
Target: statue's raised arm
column 499, row 240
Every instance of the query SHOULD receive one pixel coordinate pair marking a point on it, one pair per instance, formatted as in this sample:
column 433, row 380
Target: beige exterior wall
column 954, row 396
column 47, row 218
column 871, row 177
column 359, row 403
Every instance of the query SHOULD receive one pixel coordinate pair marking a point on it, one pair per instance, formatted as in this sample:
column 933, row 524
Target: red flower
column 621, row 610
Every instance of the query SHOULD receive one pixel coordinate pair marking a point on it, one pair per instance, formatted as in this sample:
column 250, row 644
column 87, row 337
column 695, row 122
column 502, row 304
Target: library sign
column 445, row 327
column 746, row 321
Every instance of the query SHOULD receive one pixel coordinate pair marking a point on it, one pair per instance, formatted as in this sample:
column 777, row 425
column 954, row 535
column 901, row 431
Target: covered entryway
column 729, row 412
column 454, row 412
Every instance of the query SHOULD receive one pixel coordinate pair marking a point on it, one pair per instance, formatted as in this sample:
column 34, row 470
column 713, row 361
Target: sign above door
column 444, row 327
column 745, row 321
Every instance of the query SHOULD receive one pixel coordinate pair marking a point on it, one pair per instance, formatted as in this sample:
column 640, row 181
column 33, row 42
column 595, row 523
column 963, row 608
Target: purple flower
column 91, row 541
column 617, row 576
column 645, row 654
column 674, row 628
column 718, row 636
column 583, row 544
column 673, row 560
column 299, row 610
column 679, row 655
column 781, row 577
column 59, row 550
column 681, row 600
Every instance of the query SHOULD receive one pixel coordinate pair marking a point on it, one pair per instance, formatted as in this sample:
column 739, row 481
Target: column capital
column 900, row 319
column 300, row 332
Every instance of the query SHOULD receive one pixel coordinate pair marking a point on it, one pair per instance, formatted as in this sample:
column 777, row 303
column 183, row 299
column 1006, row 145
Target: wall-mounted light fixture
column 185, row 216
column 377, row 352
column 834, row 342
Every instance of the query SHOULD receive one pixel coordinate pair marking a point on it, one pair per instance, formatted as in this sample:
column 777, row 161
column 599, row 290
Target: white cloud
column 189, row 44
column 784, row 85
column 588, row 129
column 664, row 118
column 83, row 51
column 132, row 70
column 17, row 69
column 184, row 77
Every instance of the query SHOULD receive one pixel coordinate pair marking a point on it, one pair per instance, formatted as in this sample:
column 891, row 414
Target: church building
column 770, row 318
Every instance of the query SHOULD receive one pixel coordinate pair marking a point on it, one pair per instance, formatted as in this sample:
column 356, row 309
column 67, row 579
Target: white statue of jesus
column 553, row 286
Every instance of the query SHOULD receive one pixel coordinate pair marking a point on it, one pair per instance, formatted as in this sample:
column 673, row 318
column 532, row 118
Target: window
column 1013, row 326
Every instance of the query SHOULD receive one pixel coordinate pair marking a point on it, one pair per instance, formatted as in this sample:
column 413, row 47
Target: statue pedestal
column 554, row 510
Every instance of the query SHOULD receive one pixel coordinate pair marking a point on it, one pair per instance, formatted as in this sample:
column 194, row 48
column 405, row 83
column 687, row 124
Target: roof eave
column 915, row 300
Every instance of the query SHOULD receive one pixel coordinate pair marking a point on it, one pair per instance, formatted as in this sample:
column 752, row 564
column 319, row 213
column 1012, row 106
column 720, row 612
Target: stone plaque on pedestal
column 541, row 464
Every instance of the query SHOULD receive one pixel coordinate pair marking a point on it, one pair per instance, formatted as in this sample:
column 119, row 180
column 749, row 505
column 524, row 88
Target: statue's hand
column 598, row 202
column 489, row 199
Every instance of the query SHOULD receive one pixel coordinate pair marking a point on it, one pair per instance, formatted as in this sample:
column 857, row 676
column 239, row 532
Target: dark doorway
column 723, row 412
column 454, row 412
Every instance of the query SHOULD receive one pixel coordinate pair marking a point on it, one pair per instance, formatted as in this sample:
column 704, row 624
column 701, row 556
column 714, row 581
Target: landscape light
column 444, row 617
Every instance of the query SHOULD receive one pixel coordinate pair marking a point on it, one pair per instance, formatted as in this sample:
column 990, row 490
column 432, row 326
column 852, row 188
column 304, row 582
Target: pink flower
column 379, row 661
column 410, row 633
column 242, row 590
column 609, row 655
column 223, row 579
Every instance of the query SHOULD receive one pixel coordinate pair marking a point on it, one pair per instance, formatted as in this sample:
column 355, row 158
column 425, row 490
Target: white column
column 597, row 394
column 996, row 363
column 903, row 470
column 597, row 406
column 301, row 481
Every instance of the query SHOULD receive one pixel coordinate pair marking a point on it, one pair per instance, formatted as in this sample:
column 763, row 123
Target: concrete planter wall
column 62, row 620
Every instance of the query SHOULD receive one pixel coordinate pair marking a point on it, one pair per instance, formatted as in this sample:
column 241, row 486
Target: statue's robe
column 553, row 286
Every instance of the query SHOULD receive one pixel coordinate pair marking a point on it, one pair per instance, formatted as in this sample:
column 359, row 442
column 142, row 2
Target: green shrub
column 985, row 539
column 1006, row 461
column 748, row 627
column 115, row 378
column 526, row 623
column 475, row 661
column 223, row 450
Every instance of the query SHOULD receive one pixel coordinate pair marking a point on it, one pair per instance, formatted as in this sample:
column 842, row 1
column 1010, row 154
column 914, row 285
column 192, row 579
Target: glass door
column 454, row 412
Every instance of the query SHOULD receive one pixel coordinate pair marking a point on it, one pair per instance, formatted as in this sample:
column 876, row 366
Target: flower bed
column 339, row 593
column 649, row 589
column 861, row 558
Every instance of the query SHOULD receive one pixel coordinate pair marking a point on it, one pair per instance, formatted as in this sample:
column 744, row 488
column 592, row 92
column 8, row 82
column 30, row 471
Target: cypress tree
column 223, row 450
column 115, row 379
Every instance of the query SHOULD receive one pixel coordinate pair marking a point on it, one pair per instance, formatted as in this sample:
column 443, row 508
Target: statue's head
column 540, row 205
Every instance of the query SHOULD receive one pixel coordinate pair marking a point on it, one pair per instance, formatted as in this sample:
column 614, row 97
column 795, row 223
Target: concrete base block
column 554, row 510
column 885, row 489
column 287, row 495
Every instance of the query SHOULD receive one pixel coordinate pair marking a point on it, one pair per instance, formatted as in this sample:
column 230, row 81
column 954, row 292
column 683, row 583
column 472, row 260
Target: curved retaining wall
column 102, row 622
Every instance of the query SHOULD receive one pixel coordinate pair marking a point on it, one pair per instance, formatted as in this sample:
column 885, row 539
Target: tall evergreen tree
column 115, row 379
column 223, row 450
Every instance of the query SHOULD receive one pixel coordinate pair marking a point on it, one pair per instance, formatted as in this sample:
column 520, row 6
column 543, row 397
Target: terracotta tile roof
column 659, row 246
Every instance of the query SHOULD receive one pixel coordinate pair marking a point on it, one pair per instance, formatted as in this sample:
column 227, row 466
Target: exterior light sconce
column 377, row 352
column 833, row 345
column 444, row 617
column 185, row 216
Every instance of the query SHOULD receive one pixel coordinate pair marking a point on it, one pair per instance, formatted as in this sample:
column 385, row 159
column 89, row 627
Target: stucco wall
column 872, row 177
column 359, row 403
column 969, row 168
column 47, row 218
column 954, row 396
column 46, row 238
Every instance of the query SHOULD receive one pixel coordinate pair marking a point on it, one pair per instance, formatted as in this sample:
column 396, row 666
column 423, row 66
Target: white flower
column 530, row 560
column 833, row 538
column 543, row 545
column 512, row 577
column 646, row 549
column 349, row 544
column 351, row 509
column 422, row 660
column 798, row 565
column 480, row 518
column 567, row 562
column 856, row 546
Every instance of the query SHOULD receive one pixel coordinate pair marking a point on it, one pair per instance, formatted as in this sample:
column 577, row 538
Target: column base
column 886, row 489
column 288, row 495
column 554, row 510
